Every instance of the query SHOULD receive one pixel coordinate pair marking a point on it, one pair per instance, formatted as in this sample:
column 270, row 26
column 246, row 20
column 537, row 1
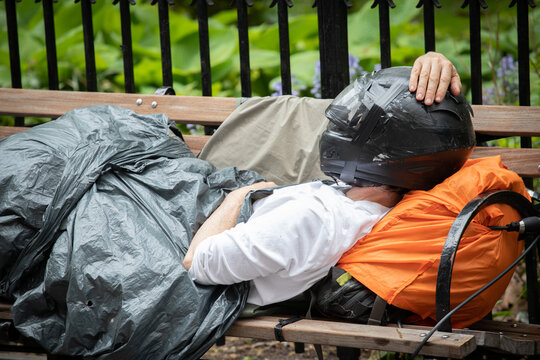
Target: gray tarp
column 97, row 209
column 283, row 133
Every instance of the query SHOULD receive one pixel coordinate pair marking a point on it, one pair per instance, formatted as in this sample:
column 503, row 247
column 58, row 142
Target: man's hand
column 431, row 76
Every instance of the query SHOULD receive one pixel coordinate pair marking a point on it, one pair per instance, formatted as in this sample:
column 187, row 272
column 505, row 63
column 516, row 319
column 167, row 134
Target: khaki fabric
column 278, row 137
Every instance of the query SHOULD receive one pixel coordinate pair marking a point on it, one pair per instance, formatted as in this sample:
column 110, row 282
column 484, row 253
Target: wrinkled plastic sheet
column 97, row 209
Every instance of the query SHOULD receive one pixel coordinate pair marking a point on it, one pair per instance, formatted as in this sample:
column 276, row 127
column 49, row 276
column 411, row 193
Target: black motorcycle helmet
column 380, row 134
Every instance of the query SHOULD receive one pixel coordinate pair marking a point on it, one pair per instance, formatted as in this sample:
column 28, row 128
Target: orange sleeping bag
column 399, row 259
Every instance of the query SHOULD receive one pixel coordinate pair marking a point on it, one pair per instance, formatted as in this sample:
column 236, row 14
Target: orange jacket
column 399, row 259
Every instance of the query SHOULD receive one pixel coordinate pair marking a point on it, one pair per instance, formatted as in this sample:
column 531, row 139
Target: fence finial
column 435, row 2
column 131, row 2
column 531, row 3
column 154, row 2
column 347, row 3
column 482, row 3
column 248, row 2
column 208, row 2
column 288, row 2
column 376, row 2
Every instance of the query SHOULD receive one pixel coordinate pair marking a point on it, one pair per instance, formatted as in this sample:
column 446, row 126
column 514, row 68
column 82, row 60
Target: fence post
column 14, row 55
column 88, row 33
column 429, row 23
column 50, row 43
column 127, row 52
column 384, row 30
column 475, row 46
column 333, row 46
column 284, row 47
column 243, row 42
column 204, row 47
column 165, row 41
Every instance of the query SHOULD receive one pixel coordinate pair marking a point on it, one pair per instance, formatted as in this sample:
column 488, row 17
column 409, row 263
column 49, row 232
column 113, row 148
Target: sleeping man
column 381, row 142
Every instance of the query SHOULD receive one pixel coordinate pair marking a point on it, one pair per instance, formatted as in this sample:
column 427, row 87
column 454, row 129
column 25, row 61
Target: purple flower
column 296, row 87
column 316, row 90
column 505, row 88
column 278, row 89
column 194, row 129
column 355, row 70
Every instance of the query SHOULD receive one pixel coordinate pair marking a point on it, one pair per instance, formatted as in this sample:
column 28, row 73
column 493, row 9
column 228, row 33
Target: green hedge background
column 499, row 38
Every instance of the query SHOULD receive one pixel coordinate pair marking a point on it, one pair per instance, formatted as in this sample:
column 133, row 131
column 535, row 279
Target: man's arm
column 431, row 75
column 223, row 218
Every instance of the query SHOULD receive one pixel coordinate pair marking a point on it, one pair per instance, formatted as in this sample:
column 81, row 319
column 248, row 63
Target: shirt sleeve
column 283, row 238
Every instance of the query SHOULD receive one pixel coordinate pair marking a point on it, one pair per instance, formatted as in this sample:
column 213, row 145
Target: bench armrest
column 444, row 275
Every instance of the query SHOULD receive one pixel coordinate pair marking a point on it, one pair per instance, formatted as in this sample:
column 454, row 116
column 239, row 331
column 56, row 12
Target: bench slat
column 356, row 335
column 52, row 104
column 507, row 120
column 520, row 339
column 524, row 162
column 488, row 120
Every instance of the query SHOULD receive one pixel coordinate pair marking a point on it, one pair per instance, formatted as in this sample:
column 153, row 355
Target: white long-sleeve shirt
column 291, row 240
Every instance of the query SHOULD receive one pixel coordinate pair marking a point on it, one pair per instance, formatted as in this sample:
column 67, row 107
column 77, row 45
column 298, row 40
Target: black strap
column 283, row 322
column 377, row 311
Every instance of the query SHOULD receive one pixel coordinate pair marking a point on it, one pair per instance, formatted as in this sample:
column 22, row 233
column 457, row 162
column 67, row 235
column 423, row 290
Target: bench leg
column 221, row 341
column 345, row 353
column 299, row 348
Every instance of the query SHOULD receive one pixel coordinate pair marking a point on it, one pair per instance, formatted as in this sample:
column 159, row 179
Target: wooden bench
column 489, row 120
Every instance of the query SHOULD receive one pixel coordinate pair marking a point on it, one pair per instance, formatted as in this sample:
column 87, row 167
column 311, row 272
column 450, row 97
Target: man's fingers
column 415, row 72
column 455, row 83
column 433, row 83
column 444, row 82
column 422, row 81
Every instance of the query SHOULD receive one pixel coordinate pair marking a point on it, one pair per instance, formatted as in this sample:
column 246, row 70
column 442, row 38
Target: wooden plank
column 507, row 120
column 356, row 335
column 5, row 311
column 52, row 104
column 5, row 315
column 525, row 162
column 489, row 119
column 196, row 142
column 6, row 131
column 518, row 339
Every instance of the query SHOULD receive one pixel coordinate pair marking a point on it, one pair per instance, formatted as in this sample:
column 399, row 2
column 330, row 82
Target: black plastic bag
column 97, row 209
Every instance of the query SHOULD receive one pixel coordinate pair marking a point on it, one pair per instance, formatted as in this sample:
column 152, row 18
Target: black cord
column 465, row 302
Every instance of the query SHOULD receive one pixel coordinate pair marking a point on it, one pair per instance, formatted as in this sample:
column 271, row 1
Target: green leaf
column 264, row 59
column 303, row 66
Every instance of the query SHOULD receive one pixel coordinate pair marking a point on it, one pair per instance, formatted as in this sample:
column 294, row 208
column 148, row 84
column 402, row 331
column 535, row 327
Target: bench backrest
column 488, row 120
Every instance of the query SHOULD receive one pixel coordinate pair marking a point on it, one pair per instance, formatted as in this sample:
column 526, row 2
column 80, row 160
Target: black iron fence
column 333, row 44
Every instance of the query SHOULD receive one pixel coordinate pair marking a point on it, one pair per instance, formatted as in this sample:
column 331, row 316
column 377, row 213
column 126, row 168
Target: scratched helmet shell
column 380, row 134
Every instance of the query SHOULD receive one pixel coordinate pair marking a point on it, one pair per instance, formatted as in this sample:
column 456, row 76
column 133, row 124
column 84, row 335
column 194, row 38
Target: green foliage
column 498, row 22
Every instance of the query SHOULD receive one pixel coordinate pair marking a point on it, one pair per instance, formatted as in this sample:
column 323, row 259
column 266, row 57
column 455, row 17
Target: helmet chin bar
column 419, row 173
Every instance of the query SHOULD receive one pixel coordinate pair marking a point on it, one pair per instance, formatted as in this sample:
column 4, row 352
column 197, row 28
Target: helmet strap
column 348, row 172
